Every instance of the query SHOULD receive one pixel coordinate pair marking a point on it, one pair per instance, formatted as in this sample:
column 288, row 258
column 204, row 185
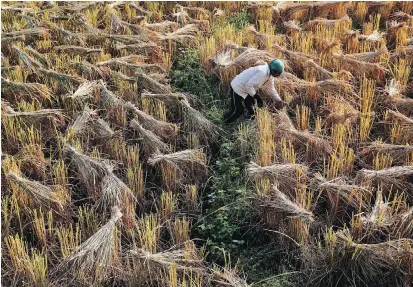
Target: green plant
column 240, row 19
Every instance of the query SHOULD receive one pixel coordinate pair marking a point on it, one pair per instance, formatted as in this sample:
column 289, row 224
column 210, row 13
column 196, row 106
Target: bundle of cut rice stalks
column 145, row 48
column 26, row 61
column 280, row 202
column 77, row 50
column 185, row 36
column 89, row 125
column 245, row 60
column 314, row 145
column 195, row 122
column 190, row 163
column 172, row 100
column 165, row 259
column 360, row 68
column 163, row 27
column 340, row 192
column 89, row 170
column 88, row 70
column 341, row 24
column 370, row 57
column 38, row 31
column 15, row 91
column 162, row 129
column 292, row 27
column 45, row 196
column 115, row 193
column 63, row 81
column 372, row 259
column 95, row 258
column 151, row 85
column 394, row 98
column 41, row 58
column 397, row 152
column 396, row 117
column 285, row 175
column 150, row 141
column 393, row 176
column 43, row 117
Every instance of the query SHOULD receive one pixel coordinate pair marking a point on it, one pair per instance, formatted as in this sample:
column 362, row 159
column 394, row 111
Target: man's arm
column 273, row 92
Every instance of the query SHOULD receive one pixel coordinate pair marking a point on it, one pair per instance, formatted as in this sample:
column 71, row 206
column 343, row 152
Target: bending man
column 245, row 85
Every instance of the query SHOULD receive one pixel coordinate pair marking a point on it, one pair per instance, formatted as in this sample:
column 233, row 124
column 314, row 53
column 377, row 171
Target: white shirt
column 250, row 80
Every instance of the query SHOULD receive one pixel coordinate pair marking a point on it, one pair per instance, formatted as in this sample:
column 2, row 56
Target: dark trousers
column 237, row 107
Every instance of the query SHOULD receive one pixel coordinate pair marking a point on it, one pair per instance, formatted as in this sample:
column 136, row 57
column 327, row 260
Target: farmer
column 245, row 85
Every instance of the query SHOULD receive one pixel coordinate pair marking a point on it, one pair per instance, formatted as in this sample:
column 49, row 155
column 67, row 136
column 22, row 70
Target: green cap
column 276, row 66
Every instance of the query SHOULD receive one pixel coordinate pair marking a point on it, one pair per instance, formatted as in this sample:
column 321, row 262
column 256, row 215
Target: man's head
column 276, row 68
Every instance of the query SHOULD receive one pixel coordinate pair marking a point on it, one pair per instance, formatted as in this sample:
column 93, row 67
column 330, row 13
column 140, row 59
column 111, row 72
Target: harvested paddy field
column 118, row 169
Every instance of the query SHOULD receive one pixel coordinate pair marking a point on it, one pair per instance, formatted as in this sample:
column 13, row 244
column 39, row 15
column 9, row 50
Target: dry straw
column 88, row 124
column 150, row 141
column 89, row 170
column 281, row 203
column 94, row 256
column 42, row 194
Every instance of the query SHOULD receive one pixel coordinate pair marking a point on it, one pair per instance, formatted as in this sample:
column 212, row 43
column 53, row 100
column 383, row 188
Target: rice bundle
column 361, row 68
column 190, row 161
column 27, row 61
column 134, row 39
column 373, row 258
column 88, row 70
column 40, row 57
column 396, row 117
column 115, row 193
column 53, row 116
column 7, row 40
column 145, row 48
column 280, row 202
column 89, row 170
column 88, row 124
column 131, row 59
column 344, row 22
column 165, row 259
column 151, row 142
column 65, row 36
column 60, row 78
column 228, row 278
column 108, row 99
column 371, row 57
column 162, row 129
column 151, row 85
column 400, row 16
column 184, row 36
column 375, row 37
column 396, row 151
column 388, row 176
column 284, row 174
column 40, row 193
column 248, row 58
column 77, row 50
column 95, row 255
column 117, row 26
column 350, row 194
column 38, row 31
column 85, row 90
column 197, row 123
column 24, row 91
column 292, row 26
column 316, row 144
column 163, row 27
column 380, row 215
